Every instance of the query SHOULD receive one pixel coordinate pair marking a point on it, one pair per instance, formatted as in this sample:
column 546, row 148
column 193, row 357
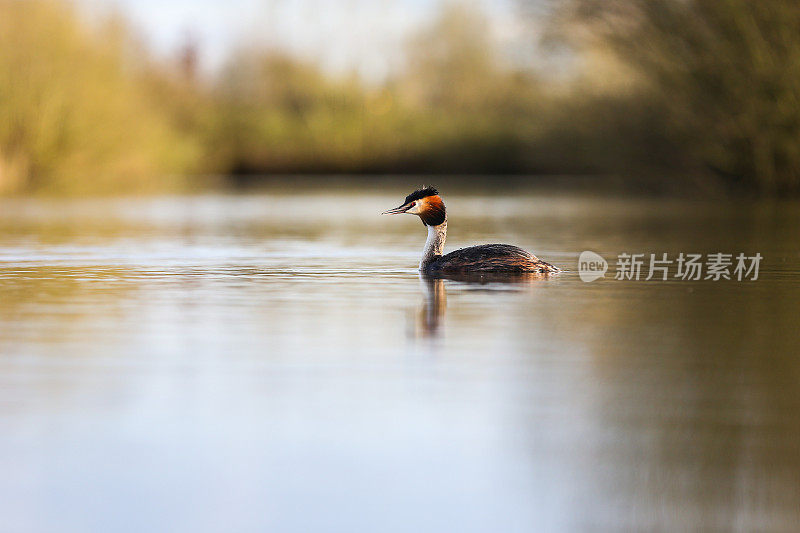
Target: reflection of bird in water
column 428, row 205
column 431, row 315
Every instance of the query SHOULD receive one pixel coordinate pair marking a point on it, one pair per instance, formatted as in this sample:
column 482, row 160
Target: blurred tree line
column 714, row 89
column 676, row 92
column 77, row 109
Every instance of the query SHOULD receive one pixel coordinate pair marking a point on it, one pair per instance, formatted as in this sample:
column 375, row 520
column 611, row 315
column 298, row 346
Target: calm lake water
column 272, row 362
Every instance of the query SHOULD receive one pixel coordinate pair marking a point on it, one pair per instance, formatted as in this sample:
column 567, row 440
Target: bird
column 428, row 205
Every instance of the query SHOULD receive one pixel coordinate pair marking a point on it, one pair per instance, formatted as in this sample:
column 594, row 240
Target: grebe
column 429, row 207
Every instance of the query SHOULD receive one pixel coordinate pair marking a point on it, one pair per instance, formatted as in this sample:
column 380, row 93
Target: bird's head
column 425, row 203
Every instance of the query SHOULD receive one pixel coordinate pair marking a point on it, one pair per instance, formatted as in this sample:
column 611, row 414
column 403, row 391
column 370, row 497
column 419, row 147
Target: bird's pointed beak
column 397, row 210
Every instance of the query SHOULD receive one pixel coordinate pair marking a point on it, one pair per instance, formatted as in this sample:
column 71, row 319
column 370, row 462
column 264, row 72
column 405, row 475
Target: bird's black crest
column 421, row 193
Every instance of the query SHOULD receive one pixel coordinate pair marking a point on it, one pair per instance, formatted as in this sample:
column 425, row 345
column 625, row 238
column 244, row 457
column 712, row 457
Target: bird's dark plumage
column 420, row 194
column 489, row 258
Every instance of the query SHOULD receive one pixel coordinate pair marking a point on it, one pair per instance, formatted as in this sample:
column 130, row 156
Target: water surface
column 274, row 362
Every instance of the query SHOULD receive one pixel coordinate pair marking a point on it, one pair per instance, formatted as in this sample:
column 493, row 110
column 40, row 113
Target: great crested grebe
column 429, row 207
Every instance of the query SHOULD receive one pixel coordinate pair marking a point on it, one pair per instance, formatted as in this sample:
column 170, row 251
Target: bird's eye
column 412, row 204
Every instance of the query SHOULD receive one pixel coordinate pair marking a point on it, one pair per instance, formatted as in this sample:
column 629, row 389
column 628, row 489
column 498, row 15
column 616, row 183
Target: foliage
column 664, row 88
column 722, row 75
column 73, row 115
column 279, row 114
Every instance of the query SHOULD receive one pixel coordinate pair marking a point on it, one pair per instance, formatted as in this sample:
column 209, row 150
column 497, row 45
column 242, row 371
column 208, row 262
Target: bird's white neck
column 434, row 246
